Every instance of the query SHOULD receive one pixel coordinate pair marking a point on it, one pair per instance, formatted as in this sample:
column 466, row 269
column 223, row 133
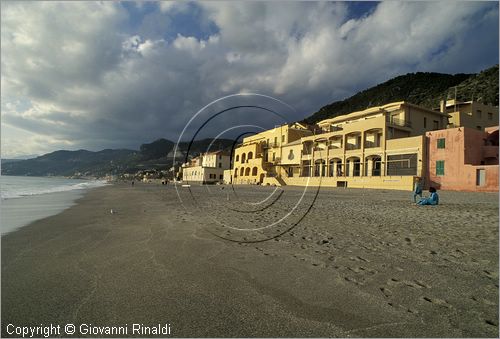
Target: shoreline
column 21, row 211
column 360, row 263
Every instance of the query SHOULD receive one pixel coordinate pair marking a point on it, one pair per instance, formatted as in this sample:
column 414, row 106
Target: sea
column 27, row 199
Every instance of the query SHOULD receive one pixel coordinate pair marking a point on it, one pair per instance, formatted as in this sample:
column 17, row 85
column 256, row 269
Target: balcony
column 271, row 145
column 371, row 144
column 320, row 153
column 306, row 155
column 351, row 147
column 490, row 151
column 398, row 122
column 335, row 128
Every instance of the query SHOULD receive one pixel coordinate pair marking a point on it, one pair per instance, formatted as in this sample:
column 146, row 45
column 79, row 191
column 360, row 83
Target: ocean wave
column 19, row 193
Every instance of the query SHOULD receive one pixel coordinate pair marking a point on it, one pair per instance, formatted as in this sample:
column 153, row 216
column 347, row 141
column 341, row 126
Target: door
column 480, row 177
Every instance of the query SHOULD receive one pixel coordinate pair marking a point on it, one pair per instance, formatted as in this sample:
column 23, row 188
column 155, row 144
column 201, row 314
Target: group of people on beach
column 433, row 198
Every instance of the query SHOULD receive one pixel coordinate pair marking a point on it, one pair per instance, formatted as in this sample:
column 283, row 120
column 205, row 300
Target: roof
column 223, row 152
column 373, row 110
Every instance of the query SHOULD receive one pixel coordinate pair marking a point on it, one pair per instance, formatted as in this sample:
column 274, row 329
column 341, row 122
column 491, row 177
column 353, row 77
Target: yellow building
column 380, row 147
column 470, row 114
column 255, row 160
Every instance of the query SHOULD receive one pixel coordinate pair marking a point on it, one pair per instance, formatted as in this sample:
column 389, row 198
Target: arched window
column 241, row 171
column 247, row 171
column 237, row 157
column 243, row 158
column 254, row 171
column 250, row 155
column 235, row 172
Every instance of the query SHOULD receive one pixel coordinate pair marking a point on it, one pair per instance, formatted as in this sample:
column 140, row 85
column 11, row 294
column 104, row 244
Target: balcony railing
column 399, row 122
column 271, row 145
column 370, row 144
column 334, row 146
column 351, row 147
column 490, row 151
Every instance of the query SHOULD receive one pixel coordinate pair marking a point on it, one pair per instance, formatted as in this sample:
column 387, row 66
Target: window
column 220, row 156
column 283, row 138
column 490, row 116
column 479, row 114
column 220, row 164
column 221, row 177
column 436, row 124
column 479, row 128
column 441, row 143
column 440, row 167
column 238, row 157
column 274, row 156
column 401, row 164
column 480, row 177
column 425, row 122
column 275, row 141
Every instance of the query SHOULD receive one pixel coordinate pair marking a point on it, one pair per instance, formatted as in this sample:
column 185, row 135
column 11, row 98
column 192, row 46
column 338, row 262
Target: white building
column 208, row 168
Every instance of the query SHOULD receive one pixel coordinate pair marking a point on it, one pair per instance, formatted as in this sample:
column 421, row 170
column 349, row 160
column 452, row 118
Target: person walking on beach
column 417, row 190
column 432, row 200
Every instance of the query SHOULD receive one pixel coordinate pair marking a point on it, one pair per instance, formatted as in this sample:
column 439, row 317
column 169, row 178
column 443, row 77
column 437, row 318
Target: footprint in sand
column 413, row 284
column 437, row 301
column 491, row 322
column 351, row 279
column 358, row 258
column 387, row 292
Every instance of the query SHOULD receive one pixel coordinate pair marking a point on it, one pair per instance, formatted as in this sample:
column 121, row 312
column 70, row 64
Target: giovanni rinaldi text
column 51, row 330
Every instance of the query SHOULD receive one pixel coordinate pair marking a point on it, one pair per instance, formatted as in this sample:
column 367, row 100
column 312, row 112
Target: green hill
column 425, row 89
column 152, row 155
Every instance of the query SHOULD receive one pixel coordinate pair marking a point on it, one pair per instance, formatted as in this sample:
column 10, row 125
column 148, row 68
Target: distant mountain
column 425, row 89
column 68, row 163
column 154, row 155
column 6, row 161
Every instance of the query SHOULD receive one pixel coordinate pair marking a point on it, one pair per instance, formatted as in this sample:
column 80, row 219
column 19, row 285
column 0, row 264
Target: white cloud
column 90, row 83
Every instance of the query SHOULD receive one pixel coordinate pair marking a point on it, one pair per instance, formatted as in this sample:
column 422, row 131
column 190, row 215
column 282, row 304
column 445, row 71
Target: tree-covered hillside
column 425, row 89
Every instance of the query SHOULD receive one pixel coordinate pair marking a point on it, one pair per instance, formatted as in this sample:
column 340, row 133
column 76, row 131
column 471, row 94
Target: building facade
column 380, row 147
column 208, row 168
column 377, row 147
column 463, row 159
column 470, row 114
column 254, row 161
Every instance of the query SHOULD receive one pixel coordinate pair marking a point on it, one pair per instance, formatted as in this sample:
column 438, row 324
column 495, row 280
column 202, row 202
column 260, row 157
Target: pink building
column 463, row 159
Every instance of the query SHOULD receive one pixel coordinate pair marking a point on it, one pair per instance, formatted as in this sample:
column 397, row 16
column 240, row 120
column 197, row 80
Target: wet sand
column 342, row 263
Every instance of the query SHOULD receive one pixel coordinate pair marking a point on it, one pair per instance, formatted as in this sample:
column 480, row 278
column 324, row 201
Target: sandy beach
column 340, row 263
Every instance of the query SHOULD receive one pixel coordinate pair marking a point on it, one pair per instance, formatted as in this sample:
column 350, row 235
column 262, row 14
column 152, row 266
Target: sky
column 96, row 75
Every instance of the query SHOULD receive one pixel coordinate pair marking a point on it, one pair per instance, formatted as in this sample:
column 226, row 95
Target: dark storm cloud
column 106, row 74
